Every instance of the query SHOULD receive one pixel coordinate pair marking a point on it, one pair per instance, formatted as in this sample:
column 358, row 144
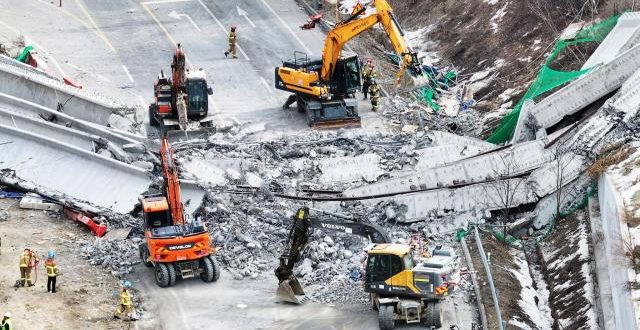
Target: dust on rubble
column 86, row 296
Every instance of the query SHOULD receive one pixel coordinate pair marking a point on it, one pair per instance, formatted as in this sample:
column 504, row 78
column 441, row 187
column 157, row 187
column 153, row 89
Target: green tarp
column 25, row 54
column 549, row 78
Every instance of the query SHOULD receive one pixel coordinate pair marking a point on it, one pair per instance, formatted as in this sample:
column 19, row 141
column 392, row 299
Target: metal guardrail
column 487, row 269
column 476, row 286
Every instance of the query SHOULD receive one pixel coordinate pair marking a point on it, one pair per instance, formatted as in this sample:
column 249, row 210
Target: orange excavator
column 181, row 97
column 175, row 247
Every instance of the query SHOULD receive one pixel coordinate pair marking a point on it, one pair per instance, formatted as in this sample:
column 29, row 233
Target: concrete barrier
column 28, row 108
column 611, row 259
column 46, row 91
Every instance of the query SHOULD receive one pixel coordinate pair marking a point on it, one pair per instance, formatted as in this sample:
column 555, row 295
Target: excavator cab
column 197, row 94
column 346, row 76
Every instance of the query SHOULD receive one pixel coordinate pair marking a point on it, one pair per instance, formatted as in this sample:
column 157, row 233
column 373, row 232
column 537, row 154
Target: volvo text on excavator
column 403, row 285
column 175, row 247
column 181, row 97
column 324, row 88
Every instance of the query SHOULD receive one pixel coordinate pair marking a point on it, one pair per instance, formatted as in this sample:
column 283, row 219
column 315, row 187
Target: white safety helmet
column 7, row 315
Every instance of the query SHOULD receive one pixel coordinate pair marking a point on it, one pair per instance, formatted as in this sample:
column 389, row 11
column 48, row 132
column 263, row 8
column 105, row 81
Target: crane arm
column 172, row 183
column 352, row 27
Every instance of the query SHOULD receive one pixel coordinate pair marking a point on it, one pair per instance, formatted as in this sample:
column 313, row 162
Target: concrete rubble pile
column 118, row 255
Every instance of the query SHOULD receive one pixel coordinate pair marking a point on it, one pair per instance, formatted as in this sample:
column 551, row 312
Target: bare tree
column 504, row 187
column 562, row 160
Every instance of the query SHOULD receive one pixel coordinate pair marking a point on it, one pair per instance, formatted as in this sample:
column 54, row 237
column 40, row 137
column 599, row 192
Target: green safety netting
column 549, row 78
column 25, row 54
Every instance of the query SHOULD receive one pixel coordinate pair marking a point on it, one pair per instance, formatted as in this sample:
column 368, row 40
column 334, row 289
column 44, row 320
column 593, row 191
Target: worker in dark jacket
column 374, row 90
column 232, row 43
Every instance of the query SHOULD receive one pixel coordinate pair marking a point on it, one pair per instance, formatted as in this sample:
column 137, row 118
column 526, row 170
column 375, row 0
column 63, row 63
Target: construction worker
column 126, row 302
column 368, row 74
column 28, row 260
column 52, row 271
column 232, row 43
column 6, row 322
column 374, row 90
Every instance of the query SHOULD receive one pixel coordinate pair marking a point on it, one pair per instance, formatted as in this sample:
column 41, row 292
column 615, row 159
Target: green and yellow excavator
column 403, row 285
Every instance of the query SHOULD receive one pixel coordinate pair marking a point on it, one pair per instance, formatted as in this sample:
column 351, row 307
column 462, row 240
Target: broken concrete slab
column 577, row 94
column 349, row 169
column 35, row 202
column 41, row 89
column 68, row 170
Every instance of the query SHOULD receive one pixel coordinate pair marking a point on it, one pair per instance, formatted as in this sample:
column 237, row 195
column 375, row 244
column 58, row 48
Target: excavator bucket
column 337, row 123
column 291, row 291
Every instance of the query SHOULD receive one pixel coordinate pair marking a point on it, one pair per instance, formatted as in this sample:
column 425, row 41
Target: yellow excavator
column 403, row 285
column 324, row 88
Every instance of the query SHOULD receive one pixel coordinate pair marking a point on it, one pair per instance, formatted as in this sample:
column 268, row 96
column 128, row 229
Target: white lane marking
column 287, row 27
column 142, row 102
column 49, row 56
column 163, row 1
column 155, row 19
column 174, row 14
column 266, row 85
column 127, row 72
column 222, row 27
column 216, row 111
column 241, row 12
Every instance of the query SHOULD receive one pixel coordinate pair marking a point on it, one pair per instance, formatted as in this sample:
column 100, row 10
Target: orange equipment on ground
column 175, row 247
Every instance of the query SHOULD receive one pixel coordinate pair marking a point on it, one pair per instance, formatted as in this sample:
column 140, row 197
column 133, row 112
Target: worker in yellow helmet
column 28, row 260
column 126, row 303
column 52, row 271
column 232, row 43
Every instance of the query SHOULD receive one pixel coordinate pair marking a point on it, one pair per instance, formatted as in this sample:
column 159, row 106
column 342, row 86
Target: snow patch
column 495, row 20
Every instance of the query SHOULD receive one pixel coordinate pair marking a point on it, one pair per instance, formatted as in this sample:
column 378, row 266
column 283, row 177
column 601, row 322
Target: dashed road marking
column 95, row 26
column 175, row 44
column 142, row 102
column 127, row 72
column 266, row 85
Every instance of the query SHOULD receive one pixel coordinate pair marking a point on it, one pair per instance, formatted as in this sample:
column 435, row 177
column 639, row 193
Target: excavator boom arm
column 349, row 29
column 172, row 183
column 297, row 241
